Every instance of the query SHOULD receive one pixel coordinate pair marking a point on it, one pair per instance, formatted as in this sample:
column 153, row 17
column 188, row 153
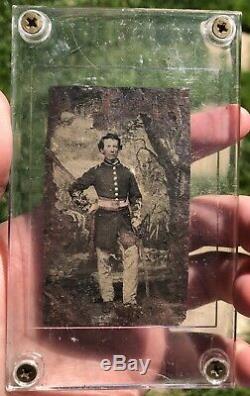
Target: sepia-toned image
column 117, row 170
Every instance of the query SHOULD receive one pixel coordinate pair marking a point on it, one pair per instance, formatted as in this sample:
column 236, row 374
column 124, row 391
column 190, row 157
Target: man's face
column 110, row 149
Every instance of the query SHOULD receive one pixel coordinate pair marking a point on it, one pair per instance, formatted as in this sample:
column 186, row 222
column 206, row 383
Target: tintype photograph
column 116, row 198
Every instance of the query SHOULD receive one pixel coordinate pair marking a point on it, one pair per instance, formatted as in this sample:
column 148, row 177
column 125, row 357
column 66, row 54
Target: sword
column 143, row 261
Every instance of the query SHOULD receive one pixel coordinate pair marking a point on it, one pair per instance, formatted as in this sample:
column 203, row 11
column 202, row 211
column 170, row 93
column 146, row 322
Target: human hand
column 136, row 223
column 80, row 200
column 212, row 276
column 81, row 361
column 70, row 356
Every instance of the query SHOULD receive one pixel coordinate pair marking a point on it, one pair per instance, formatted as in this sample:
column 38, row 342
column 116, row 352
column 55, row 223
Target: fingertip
column 215, row 128
column 242, row 366
column 241, row 294
column 244, row 112
column 6, row 141
column 244, row 122
column 4, row 101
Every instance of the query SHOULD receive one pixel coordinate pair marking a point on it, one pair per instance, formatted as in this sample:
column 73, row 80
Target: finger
column 210, row 278
column 217, row 128
column 241, row 290
column 6, row 142
column 192, row 348
column 2, row 325
column 242, row 364
column 216, row 221
column 189, row 351
column 213, row 276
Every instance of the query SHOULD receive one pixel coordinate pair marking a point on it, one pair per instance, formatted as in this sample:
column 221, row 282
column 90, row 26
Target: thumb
column 6, row 142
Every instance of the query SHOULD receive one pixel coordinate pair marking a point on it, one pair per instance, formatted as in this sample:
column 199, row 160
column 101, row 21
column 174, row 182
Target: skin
column 206, row 282
column 110, row 149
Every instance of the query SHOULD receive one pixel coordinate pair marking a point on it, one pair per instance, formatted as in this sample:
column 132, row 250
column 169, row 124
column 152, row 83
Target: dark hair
column 112, row 136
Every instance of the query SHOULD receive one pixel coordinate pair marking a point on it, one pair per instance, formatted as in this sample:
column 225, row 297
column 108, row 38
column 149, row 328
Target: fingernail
column 244, row 111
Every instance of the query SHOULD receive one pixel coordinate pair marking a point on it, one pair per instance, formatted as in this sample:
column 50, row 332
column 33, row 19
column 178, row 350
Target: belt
column 112, row 204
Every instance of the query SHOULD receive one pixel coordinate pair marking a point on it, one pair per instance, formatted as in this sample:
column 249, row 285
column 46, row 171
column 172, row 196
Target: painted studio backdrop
column 153, row 126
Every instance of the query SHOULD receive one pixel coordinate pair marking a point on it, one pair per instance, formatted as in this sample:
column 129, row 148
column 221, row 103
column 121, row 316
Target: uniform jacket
column 110, row 180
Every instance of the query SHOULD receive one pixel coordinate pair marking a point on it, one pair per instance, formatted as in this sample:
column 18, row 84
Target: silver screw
column 219, row 30
column 34, row 26
column 222, row 27
column 216, row 370
column 26, row 373
column 31, row 22
column 215, row 366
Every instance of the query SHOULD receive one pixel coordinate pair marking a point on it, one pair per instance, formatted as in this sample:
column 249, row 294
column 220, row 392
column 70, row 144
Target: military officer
column 117, row 218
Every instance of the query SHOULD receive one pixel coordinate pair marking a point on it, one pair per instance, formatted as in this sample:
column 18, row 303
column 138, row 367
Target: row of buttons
column 115, row 183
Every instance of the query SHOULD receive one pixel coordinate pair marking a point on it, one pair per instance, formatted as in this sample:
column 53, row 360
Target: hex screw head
column 31, row 22
column 26, row 373
column 222, row 27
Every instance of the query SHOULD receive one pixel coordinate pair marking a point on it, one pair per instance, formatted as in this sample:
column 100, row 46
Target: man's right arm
column 79, row 185
column 83, row 182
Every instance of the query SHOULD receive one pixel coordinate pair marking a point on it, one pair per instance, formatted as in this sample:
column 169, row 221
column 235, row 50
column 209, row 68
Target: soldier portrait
column 116, row 191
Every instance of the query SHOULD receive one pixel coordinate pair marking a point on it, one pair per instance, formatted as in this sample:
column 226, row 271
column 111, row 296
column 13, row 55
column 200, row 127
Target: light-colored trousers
column 130, row 259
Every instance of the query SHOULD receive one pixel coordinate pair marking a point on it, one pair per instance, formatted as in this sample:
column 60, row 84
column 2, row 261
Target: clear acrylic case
column 189, row 61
